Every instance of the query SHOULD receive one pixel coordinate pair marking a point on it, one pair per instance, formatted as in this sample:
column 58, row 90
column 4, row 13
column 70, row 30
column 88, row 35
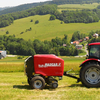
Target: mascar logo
column 49, row 65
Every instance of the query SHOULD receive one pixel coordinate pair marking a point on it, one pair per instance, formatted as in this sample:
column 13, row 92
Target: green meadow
column 12, row 64
column 78, row 6
column 46, row 30
column 14, row 86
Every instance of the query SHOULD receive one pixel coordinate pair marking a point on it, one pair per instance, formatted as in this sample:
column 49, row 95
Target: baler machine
column 44, row 69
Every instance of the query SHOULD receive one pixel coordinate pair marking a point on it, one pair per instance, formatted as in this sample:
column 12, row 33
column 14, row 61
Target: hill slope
column 45, row 29
column 58, row 2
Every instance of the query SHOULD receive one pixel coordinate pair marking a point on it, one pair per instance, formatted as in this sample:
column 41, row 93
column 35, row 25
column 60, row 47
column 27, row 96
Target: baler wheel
column 90, row 75
column 37, row 82
column 54, row 85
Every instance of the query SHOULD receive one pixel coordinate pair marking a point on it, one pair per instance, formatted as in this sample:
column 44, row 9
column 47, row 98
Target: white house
column 2, row 54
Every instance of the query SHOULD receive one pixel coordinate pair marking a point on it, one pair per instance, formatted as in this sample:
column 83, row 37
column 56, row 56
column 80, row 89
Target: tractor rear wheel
column 90, row 75
column 37, row 82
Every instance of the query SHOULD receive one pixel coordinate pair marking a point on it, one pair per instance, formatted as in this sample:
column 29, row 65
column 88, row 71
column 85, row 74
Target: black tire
column 37, row 82
column 90, row 75
column 54, row 85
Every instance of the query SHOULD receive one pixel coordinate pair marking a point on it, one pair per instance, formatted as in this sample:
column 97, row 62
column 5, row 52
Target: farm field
column 13, row 86
column 12, row 64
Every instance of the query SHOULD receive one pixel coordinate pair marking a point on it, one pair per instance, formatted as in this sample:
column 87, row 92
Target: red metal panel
column 96, row 43
column 48, row 65
column 91, row 59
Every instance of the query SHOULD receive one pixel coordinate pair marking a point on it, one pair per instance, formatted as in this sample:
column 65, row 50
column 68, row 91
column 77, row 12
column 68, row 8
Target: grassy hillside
column 77, row 6
column 46, row 30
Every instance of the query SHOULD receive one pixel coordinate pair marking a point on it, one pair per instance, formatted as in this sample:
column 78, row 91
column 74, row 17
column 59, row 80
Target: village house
column 95, row 35
column 75, row 42
column 86, row 38
column 79, row 46
column 2, row 54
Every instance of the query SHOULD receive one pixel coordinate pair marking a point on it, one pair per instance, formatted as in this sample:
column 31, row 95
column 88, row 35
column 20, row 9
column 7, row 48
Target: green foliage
column 77, row 36
column 19, row 46
column 21, row 32
column 20, row 57
column 83, row 16
column 7, row 32
column 52, row 17
column 37, row 21
column 7, row 19
column 31, row 20
column 59, row 2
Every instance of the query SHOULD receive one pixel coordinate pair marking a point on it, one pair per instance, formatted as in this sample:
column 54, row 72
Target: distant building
column 2, row 54
column 95, row 35
column 64, row 45
column 86, row 38
column 79, row 46
column 75, row 42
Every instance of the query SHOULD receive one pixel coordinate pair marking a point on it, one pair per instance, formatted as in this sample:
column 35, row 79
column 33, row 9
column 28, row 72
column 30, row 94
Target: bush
column 37, row 21
column 20, row 57
column 52, row 17
column 7, row 32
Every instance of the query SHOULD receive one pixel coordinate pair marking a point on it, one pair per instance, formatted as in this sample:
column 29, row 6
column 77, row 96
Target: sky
column 11, row 3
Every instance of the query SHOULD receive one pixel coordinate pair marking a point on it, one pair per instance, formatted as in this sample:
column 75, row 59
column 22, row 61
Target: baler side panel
column 48, row 65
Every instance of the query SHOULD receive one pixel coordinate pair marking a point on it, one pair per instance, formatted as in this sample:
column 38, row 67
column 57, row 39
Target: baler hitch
column 72, row 76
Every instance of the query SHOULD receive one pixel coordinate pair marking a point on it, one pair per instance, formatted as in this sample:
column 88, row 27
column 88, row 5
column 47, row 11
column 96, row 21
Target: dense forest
column 19, row 46
column 81, row 16
column 7, row 19
column 59, row 2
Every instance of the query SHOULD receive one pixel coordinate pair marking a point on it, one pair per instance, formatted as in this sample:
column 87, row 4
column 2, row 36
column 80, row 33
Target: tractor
column 90, row 68
column 47, row 69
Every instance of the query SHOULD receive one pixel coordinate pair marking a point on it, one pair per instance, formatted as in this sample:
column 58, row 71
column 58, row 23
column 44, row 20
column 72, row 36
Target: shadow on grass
column 77, row 85
column 27, row 87
column 22, row 87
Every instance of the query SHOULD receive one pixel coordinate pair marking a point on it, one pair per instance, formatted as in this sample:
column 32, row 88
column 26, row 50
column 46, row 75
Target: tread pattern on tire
column 82, row 75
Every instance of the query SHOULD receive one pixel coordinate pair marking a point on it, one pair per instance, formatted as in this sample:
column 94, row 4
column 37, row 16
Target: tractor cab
column 94, row 50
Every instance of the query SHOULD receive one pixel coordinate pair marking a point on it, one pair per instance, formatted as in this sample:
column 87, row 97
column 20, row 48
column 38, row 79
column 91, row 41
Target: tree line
column 19, row 46
column 7, row 19
column 60, row 2
column 78, row 16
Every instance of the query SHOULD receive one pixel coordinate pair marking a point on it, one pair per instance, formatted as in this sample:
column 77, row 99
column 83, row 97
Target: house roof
column 0, row 51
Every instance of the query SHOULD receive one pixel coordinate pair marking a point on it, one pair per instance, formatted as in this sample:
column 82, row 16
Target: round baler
column 44, row 69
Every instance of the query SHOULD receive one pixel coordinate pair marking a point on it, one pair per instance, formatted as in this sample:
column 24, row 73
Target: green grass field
column 77, row 6
column 46, row 30
column 13, row 86
column 12, row 64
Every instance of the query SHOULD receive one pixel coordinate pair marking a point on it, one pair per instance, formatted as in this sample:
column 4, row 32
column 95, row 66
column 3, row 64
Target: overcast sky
column 7, row 3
